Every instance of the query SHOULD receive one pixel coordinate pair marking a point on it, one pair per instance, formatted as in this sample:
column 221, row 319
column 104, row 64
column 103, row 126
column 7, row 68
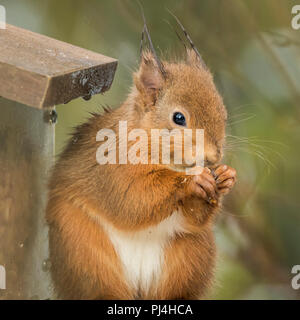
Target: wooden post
column 39, row 72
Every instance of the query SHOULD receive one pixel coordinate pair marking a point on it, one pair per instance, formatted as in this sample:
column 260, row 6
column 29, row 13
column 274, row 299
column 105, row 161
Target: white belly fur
column 142, row 252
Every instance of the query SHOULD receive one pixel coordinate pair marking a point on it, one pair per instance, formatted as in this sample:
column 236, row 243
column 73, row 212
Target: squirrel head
column 184, row 96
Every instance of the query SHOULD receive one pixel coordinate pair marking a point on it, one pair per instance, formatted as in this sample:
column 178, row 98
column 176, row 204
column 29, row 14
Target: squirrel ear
column 148, row 80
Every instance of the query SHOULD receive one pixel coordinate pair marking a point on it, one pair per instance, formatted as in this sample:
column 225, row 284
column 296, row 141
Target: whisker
column 249, row 117
column 261, row 148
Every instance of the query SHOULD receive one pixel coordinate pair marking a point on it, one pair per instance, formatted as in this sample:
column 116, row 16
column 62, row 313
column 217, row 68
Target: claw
column 212, row 201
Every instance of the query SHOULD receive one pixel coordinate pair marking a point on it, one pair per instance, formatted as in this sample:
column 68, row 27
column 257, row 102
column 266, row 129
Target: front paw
column 204, row 186
column 225, row 178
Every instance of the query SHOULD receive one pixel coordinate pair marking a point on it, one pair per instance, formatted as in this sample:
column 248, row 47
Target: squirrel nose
column 209, row 163
column 212, row 158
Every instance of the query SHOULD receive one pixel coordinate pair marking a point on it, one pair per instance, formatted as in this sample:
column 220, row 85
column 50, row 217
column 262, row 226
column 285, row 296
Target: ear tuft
column 193, row 59
column 148, row 80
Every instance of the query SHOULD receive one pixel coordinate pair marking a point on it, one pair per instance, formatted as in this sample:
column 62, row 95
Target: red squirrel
column 143, row 231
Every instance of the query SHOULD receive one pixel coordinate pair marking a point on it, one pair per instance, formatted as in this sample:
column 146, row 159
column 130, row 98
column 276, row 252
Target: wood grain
column 41, row 72
column 26, row 155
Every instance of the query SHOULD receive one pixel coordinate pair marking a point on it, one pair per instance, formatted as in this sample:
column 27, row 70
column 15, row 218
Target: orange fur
column 85, row 264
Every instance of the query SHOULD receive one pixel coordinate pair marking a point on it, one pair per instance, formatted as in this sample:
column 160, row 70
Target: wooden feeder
column 36, row 73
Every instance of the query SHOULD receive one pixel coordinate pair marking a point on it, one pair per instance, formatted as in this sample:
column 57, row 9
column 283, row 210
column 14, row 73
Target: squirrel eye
column 179, row 118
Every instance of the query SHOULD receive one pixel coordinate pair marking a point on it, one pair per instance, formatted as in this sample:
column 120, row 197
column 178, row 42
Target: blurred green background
column 254, row 54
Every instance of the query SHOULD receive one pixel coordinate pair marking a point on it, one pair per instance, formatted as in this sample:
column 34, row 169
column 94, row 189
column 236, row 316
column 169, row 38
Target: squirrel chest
column 142, row 252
